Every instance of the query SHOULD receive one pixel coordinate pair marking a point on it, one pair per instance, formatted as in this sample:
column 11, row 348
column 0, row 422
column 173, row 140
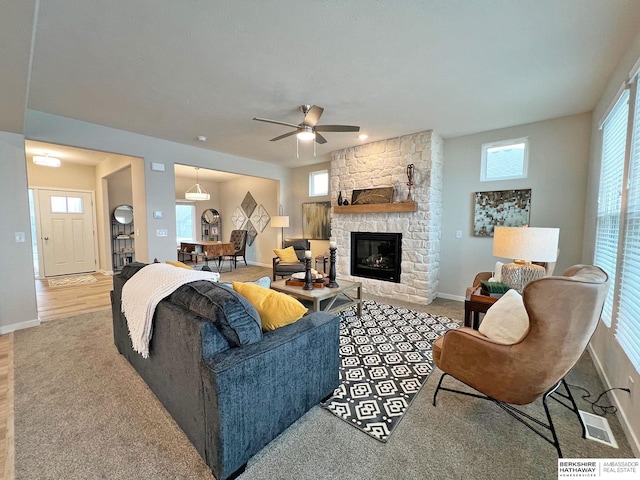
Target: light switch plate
column 162, row 232
column 157, row 167
column 158, row 214
column 21, row 237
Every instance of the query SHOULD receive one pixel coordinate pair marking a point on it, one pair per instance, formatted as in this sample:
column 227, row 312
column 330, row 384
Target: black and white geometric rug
column 385, row 358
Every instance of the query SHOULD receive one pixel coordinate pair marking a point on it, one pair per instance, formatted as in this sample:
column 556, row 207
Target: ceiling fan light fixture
column 306, row 134
column 46, row 161
column 196, row 192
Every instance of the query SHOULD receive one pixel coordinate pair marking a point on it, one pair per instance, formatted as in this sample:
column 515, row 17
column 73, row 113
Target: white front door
column 66, row 232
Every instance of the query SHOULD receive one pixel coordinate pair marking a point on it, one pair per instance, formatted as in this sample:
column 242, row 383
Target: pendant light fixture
column 196, row 192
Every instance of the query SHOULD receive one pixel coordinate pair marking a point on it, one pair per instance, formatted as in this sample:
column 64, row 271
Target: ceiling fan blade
column 276, row 122
column 336, row 128
column 284, row 136
column 320, row 139
column 313, row 115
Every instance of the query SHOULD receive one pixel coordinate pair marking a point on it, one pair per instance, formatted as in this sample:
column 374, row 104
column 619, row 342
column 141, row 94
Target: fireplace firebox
column 376, row 255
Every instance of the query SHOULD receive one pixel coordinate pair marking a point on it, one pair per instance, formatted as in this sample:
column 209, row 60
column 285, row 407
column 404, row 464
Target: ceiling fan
column 308, row 129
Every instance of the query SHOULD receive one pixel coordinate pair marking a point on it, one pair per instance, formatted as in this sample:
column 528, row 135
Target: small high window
column 504, row 160
column 319, row 183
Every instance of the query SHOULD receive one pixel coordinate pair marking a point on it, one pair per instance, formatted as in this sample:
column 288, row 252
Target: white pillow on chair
column 506, row 321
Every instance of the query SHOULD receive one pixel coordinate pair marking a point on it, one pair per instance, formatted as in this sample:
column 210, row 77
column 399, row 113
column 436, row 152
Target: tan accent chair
column 563, row 314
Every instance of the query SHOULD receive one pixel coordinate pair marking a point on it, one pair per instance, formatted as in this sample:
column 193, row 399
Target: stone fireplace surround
column 383, row 164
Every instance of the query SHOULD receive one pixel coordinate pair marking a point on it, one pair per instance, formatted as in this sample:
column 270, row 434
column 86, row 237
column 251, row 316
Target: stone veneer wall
column 382, row 164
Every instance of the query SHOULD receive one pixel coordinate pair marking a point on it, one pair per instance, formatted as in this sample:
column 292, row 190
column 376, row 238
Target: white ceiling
column 179, row 69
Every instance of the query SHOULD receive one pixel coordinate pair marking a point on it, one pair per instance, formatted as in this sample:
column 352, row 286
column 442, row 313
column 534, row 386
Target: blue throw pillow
column 262, row 281
column 236, row 318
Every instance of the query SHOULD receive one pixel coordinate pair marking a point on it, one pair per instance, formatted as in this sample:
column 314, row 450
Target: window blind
column 628, row 318
column 614, row 137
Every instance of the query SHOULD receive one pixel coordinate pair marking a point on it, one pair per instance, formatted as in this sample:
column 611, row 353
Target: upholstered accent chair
column 563, row 313
column 285, row 269
column 239, row 240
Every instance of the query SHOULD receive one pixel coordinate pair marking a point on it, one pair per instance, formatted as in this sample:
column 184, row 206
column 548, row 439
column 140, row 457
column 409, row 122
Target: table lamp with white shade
column 525, row 245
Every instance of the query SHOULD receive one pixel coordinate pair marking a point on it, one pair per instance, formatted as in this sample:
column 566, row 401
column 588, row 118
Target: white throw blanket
column 142, row 293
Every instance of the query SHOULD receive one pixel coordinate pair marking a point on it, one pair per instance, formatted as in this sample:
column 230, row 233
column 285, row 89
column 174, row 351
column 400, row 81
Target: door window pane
column 74, row 205
column 58, row 204
column 66, row 204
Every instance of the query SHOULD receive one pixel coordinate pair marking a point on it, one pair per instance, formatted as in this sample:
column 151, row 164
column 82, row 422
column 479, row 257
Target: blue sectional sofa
column 230, row 388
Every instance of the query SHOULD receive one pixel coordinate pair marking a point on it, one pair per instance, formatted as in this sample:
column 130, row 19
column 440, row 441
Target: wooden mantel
column 377, row 208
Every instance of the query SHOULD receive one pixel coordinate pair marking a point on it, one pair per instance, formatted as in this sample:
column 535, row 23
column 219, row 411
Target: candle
column 307, row 254
column 332, row 244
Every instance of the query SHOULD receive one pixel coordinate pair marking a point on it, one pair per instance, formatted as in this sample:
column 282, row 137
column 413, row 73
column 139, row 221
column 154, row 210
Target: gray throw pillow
column 236, row 318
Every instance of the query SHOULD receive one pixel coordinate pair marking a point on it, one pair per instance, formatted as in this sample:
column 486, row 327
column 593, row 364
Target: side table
column 474, row 304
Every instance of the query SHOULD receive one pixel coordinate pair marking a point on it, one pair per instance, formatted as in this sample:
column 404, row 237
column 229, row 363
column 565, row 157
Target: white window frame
column 312, row 176
column 609, row 215
column 501, row 144
column 624, row 281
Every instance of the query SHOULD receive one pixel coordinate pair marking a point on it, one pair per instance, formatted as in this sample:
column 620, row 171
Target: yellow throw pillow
column 179, row 264
column 275, row 309
column 287, row 255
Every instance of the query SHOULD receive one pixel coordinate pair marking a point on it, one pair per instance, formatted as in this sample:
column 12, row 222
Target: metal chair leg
column 435, row 394
column 527, row 420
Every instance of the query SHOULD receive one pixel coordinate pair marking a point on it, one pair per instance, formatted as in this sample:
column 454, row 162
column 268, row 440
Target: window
column 614, row 136
column 617, row 246
column 628, row 318
column 66, row 204
column 504, row 160
column 185, row 222
column 319, row 183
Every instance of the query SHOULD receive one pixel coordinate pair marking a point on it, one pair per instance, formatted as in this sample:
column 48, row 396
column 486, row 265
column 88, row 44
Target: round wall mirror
column 211, row 216
column 123, row 214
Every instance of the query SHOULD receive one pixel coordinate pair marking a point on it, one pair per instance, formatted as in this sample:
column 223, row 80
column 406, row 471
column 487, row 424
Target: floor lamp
column 525, row 244
column 282, row 222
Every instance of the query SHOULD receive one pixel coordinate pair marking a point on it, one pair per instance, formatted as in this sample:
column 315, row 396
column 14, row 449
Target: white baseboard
column 624, row 421
column 258, row 264
column 19, row 326
column 448, row 296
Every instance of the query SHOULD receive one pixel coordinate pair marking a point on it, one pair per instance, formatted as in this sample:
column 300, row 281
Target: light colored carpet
column 82, row 412
column 70, row 280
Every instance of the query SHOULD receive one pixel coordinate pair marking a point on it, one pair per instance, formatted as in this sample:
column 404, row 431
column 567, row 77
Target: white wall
column 18, row 294
column 557, row 177
column 71, row 176
column 605, row 350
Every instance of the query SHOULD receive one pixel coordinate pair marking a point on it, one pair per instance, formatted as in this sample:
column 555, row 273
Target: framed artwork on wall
column 316, row 220
column 506, row 208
